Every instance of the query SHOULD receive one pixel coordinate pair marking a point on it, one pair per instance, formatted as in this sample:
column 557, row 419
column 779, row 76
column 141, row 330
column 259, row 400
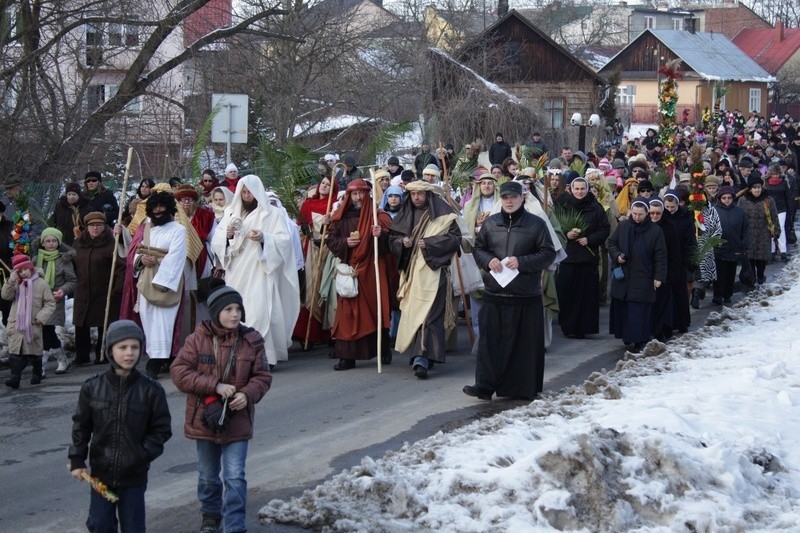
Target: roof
column 712, row 56
column 761, row 44
column 468, row 21
column 489, row 86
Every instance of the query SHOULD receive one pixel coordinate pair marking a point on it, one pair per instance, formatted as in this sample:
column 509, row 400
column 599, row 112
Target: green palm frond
column 570, row 219
column 285, row 170
column 385, row 139
column 705, row 246
column 201, row 141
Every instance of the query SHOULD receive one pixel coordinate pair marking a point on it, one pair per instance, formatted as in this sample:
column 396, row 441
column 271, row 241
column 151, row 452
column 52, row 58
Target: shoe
column 100, row 362
column 471, row 390
column 726, row 300
column 13, row 382
column 332, row 353
column 80, row 362
column 762, row 280
column 63, row 361
column 210, row 523
column 695, row 299
column 784, row 258
column 420, row 372
column 387, row 359
column 637, row 347
column 344, row 364
column 716, row 301
column 37, row 374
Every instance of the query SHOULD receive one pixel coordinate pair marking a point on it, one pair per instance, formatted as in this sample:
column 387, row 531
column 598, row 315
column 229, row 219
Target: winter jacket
column 67, row 218
column 93, row 269
column 598, row 229
column 522, row 235
column 759, row 246
column 674, row 261
column 197, row 370
column 65, row 281
column 499, row 152
column 645, row 260
column 103, row 201
column 43, row 306
column 734, row 232
column 780, row 193
column 121, row 424
column 683, row 221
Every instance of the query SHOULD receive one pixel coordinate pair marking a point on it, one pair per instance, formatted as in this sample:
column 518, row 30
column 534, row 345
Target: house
column 727, row 18
column 525, row 61
column 777, row 50
column 450, row 29
column 716, row 72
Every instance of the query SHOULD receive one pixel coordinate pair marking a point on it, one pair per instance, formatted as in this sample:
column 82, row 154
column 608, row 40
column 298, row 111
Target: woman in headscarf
column 220, row 198
column 762, row 221
column 55, row 259
column 578, row 280
column 662, row 319
column 69, row 212
column 314, row 216
column 600, row 187
column 630, row 190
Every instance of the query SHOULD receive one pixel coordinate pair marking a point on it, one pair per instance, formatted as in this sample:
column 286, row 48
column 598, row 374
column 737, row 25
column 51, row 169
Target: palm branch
column 705, row 246
column 286, row 170
column 570, row 219
column 385, row 139
column 201, row 141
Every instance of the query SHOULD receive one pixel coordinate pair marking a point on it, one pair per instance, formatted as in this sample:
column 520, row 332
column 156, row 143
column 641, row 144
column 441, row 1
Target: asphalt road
column 313, row 423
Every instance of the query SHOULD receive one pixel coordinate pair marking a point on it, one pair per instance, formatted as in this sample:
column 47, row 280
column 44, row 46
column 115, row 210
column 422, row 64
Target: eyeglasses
column 95, row 224
column 92, row 180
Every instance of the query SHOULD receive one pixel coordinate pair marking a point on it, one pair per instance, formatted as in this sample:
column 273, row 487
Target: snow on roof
column 339, row 122
column 700, row 434
column 712, row 56
column 486, row 83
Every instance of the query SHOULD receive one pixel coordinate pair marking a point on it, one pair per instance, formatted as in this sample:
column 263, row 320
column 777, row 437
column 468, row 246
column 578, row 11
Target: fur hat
column 93, row 174
column 73, row 187
column 186, row 191
column 94, row 216
column 754, row 179
column 712, row 180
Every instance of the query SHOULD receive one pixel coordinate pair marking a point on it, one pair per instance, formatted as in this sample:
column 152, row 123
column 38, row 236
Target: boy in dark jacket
column 121, row 424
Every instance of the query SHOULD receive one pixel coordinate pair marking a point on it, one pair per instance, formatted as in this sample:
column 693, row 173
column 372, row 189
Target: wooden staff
column 467, row 315
column 379, row 322
column 116, row 244
column 318, row 272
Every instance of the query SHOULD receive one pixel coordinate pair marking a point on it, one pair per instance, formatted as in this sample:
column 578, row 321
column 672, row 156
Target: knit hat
column 51, row 232
column 727, row 189
column 393, row 161
column 513, row 188
column 73, row 187
column 220, row 298
column 21, row 261
column 119, row 331
column 407, row 176
column 94, row 216
column 93, row 174
column 774, row 168
column 754, row 179
column 603, row 163
column 618, row 163
column 186, row 191
column 231, row 168
column 431, row 170
column 712, row 180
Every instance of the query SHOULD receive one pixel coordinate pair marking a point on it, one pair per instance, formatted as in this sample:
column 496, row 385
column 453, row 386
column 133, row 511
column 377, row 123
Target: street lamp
column 577, row 120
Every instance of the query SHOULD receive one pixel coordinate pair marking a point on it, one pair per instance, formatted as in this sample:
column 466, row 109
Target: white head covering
column 231, row 168
column 254, row 185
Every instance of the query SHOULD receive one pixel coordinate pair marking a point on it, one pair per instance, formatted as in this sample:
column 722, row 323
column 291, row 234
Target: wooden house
column 715, row 73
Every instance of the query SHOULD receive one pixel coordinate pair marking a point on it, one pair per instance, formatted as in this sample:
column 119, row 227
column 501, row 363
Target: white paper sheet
column 507, row 275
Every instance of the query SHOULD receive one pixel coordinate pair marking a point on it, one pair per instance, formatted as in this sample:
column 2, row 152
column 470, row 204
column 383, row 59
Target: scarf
column 774, row 180
column 50, row 269
column 25, row 307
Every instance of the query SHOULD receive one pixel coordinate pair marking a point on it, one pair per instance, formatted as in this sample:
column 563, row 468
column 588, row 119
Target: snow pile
column 702, row 434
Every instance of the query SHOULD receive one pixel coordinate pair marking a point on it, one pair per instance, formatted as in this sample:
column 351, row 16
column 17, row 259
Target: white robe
column 158, row 323
column 266, row 277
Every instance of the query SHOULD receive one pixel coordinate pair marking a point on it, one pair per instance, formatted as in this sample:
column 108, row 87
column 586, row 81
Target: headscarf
column 404, row 222
column 360, row 253
column 219, row 211
column 392, row 189
column 317, row 203
column 48, row 256
column 623, row 198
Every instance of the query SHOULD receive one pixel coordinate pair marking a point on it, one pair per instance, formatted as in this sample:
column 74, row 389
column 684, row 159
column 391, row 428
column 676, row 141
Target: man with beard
column 425, row 235
column 511, row 341
column 356, row 326
column 162, row 234
column 254, row 247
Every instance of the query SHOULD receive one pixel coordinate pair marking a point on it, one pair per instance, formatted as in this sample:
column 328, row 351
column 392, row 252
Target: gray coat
column 43, row 307
column 65, row 280
column 760, row 240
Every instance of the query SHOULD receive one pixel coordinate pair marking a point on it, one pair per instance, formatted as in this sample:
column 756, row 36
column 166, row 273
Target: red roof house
column 772, row 48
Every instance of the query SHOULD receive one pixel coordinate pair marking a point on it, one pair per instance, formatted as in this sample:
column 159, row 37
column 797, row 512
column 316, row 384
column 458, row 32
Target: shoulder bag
column 156, row 295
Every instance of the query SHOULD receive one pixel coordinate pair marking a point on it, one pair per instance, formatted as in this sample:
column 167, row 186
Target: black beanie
column 754, row 179
column 220, row 298
column 393, row 161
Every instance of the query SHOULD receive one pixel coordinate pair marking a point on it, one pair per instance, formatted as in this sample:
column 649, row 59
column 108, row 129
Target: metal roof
column 712, row 56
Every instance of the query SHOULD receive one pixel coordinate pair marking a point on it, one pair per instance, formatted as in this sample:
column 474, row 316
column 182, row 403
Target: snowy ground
column 702, row 434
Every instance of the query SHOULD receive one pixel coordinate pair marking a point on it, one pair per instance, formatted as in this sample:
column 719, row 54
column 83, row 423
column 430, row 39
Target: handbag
column 746, row 275
column 618, row 273
column 155, row 294
column 216, row 416
column 346, row 281
column 470, row 274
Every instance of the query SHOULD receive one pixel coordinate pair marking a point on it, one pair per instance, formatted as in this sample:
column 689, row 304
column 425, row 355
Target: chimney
column 502, row 8
column 779, row 30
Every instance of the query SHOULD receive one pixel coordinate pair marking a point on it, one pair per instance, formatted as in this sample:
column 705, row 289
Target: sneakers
column 471, row 390
column 210, row 523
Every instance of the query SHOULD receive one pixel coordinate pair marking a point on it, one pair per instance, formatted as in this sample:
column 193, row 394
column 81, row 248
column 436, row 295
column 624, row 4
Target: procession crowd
column 214, row 282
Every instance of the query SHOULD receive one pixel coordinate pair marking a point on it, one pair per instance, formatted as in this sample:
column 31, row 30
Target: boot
column 211, row 523
column 37, row 376
column 16, row 363
column 695, row 299
column 45, row 359
column 63, row 361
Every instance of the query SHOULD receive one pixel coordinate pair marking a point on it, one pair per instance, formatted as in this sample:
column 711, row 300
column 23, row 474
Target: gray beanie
column 220, row 298
column 119, row 331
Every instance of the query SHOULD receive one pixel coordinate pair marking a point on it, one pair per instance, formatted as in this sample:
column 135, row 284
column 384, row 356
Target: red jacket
column 196, row 370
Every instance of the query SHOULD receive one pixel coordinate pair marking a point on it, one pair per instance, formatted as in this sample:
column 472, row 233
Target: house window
column 649, row 22
column 100, row 94
column 755, row 100
column 554, row 112
column 123, row 35
column 626, row 95
column 677, row 24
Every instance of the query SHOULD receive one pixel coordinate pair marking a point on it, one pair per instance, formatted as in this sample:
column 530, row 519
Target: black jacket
column 683, row 221
column 734, row 232
column 522, row 235
column 781, row 193
column 126, row 420
column 646, row 260
column 598, row 229
column 499, row 152
column 63, row 217
column 104, row 202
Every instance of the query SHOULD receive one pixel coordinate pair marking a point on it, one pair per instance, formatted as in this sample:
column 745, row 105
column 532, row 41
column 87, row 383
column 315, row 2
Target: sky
column 701, row 434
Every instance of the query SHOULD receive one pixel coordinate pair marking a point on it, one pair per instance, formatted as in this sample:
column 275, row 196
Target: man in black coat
column 499, row 151
column 101, row 200
column 511, row 341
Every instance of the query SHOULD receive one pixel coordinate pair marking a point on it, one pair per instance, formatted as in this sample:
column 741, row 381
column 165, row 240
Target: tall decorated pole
column 667, row 112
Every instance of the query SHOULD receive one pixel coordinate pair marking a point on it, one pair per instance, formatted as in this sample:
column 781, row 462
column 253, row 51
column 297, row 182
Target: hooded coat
column 43, row 306
column 68, row 218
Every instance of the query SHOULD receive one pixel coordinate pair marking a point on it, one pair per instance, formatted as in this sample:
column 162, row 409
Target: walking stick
column 379, row 322
column 467, row 315
column 318, row 272
column 116, row 244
